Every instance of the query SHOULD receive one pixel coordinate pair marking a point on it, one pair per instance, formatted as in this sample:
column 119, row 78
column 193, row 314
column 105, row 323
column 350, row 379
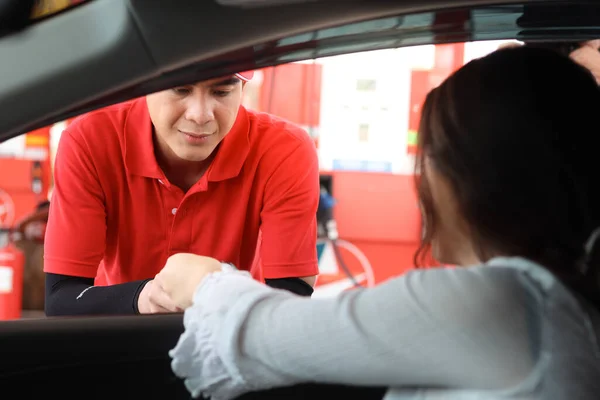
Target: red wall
column 293, row 91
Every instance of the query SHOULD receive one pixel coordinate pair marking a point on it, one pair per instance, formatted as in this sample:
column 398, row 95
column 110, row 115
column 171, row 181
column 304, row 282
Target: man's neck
column 185, row 175
column 181, row 173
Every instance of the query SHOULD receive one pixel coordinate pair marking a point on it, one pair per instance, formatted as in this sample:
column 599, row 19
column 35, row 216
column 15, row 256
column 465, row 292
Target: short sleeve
column 288, row 217
column 76, row 231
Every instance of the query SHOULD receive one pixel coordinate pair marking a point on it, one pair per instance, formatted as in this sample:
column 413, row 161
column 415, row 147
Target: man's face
column 190, row 121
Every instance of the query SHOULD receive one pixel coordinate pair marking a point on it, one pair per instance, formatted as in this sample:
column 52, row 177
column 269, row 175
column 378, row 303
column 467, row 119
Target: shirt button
column 174, row 211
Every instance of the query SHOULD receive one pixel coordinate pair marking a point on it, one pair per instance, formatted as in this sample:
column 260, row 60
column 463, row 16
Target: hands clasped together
column 172, row 289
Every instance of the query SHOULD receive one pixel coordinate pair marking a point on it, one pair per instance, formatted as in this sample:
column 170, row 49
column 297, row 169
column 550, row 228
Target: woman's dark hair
column 516, row 135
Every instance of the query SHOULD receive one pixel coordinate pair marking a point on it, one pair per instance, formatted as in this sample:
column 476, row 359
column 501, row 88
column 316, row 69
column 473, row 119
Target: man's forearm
column 68, row 295
column 311, row 280
column 298, row 286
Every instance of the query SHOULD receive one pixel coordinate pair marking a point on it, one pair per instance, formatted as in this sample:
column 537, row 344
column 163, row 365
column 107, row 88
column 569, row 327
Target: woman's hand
column 589, row 57
column 154, row 300
column 182, row 274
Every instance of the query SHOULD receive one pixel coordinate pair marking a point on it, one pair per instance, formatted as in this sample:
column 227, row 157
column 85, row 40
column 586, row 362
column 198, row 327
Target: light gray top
column 504, row 330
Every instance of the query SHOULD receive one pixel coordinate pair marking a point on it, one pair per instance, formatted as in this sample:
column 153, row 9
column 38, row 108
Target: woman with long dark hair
column 510, row 188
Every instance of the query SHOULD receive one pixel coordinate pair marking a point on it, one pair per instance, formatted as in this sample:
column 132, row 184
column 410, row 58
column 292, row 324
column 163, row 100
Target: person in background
column 187, row 169
column 509, row 191
column 33, row 225
column 30, row 239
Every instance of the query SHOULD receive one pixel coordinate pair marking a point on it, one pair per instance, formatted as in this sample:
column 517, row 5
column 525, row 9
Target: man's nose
column 199, row 109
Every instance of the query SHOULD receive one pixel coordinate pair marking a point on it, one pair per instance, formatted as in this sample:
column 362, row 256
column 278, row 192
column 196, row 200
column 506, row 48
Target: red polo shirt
column 115, row 217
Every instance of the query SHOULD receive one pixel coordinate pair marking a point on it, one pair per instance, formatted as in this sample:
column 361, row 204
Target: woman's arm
column 431, row 328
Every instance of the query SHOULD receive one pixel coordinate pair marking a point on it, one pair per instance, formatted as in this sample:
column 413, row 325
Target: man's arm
column 289, row 231
column 71, row 295
column 76, row 237
column 299, row 286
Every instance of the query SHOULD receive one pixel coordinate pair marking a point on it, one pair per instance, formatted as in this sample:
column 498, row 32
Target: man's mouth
column 195, row 138
column 196, row 135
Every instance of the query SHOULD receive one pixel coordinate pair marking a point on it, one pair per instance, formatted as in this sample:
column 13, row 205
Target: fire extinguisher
column 12, row 265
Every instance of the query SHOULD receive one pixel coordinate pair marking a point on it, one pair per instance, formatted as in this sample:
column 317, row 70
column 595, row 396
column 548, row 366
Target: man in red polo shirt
column 185, row 170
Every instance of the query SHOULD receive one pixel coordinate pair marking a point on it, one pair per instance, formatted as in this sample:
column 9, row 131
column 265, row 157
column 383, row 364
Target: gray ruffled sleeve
column 432, row 328
column 207, row 353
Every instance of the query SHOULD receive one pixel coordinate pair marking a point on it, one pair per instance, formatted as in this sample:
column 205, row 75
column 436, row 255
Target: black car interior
column 113, row 357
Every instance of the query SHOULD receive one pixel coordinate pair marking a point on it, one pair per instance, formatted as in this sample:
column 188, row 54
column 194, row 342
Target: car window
column 353, row 91
column 360, row 110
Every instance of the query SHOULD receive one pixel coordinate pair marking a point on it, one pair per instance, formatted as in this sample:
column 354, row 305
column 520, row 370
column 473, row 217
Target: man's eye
column 221, row 93
column 182, row 91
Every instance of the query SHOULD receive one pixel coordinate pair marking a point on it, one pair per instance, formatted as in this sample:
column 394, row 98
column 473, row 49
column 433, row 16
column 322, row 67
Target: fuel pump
column 327, row 228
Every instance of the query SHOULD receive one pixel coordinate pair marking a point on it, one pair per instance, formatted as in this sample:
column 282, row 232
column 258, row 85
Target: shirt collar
column 232, row 151
column 139, row 146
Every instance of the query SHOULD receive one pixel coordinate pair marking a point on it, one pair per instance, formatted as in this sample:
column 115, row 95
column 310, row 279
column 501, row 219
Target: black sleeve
column 71, row 295
column 294, row 285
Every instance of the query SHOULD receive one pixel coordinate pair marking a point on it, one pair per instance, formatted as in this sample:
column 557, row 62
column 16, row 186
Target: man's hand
column 182, row 274
column 154, row 300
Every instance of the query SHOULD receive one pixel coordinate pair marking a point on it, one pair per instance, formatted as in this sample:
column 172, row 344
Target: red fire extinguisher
column 12, row 263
